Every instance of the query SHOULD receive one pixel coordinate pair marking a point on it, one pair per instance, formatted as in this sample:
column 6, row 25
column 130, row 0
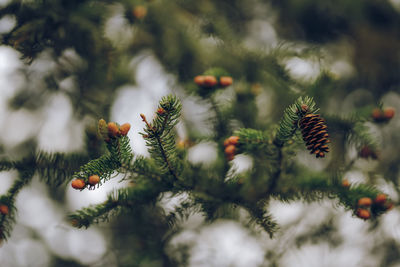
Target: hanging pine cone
column 313, row 129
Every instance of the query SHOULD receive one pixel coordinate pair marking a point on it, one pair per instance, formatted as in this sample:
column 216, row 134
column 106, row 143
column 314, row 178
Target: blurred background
column 64, row 64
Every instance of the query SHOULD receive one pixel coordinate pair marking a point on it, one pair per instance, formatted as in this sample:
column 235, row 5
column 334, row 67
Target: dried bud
column 78, row 184
column 124, row 129
column 94, row 179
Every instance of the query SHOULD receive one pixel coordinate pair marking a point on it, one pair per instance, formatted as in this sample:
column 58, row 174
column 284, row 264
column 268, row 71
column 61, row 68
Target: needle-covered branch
column 160, row 137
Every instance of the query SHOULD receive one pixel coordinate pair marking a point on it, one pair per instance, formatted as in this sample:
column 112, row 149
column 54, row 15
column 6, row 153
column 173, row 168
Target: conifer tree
column 209, row 49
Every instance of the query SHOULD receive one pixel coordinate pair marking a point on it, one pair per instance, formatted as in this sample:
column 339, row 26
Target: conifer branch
column 291, row 117
column 262, row 218
column 7, row 202
column 252, row 141
column 144, row 192
column 119, row 157
column 94, row 214
column 56, row 168
column 6, row 165
column 160, row 137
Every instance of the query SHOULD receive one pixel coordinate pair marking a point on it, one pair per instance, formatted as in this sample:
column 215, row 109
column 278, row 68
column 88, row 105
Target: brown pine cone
column 313, row 129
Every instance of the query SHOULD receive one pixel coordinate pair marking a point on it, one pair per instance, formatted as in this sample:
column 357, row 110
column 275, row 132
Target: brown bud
column 139, row 12
column 78, row 184
column 380, row 199
column 124, row 129
column 3, row 209
column 233, row 140
column 225, row 81
column 113, row 130
column 388, row 113
column 226, row 142
column 304, row 108
column 345, row 183
column 160, row 111
column 94, row 179
column 363, row 214
column 364, row 201
column 210, row 81
column 230, row 150
column 199, row 80
column 377, row 114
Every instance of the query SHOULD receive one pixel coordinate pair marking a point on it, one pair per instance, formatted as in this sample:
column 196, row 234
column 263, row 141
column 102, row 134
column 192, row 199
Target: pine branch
column 160, row 137
column 6, row 165
column 262, row 218
column 119, row 158
column 291, row 117
column 7, row 202
column 144, row 192
column 56, row 168
column 252, row 141
column 143, row 167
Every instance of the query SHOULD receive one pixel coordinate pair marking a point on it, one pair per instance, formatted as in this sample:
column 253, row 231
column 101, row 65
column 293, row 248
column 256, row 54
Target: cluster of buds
column 112, row 130
column 230, row 145
column 384, row 115
column 3, row 209
column 366, row 152
column 80, row 184
column 365, row 205
column 208, row 81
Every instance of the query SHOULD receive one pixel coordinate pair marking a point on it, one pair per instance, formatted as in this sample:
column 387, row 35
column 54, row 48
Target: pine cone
column 313, row 129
